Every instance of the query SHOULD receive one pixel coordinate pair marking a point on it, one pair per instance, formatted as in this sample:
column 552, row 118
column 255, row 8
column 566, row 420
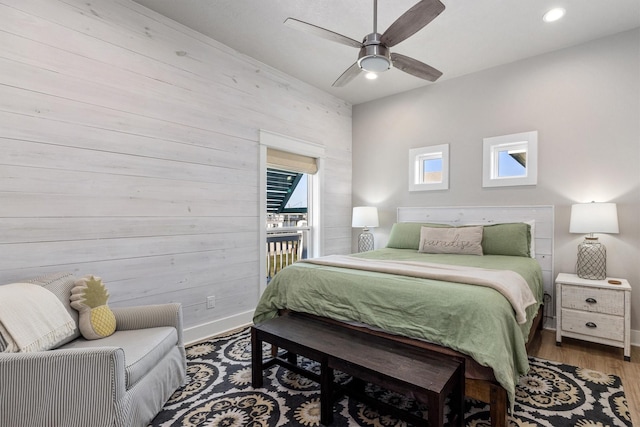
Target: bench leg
column 498, row 407
column 434, row 411
column 256, row 360
column 326, row 393
column 457, row 400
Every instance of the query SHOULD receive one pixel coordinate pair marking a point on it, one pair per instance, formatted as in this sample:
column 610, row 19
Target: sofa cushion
column 143, row 348
column 60, row 284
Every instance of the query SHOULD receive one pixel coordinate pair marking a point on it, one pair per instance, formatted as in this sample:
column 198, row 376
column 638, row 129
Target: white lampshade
column 365, row 216
column 594, row 218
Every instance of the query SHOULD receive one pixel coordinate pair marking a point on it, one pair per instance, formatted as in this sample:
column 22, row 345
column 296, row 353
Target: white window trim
column 286, row 143
column 490, row 149
column 416, row 155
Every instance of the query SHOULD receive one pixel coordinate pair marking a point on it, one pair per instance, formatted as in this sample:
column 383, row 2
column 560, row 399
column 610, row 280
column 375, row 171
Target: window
column 287, row 218
column 290, row 180
column 429, row 168
column 287, row 192
column 510, row 160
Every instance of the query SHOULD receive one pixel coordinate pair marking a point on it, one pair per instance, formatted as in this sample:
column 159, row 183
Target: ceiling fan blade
column 415, row 67
column 412, row 21
column 321, row 32
column 347, row 76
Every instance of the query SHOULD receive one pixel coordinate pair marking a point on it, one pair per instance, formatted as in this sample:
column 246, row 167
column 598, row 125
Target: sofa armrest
column 150, row 316
column 61, row 387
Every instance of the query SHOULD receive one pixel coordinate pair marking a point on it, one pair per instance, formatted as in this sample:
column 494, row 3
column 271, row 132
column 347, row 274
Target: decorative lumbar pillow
column 455, row 240
column 89, row 297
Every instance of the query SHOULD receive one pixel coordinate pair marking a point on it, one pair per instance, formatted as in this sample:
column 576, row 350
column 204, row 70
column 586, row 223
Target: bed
column 407, row 292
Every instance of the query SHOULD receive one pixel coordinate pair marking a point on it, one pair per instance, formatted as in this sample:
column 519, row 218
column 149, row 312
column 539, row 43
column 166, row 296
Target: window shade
column 291, row 162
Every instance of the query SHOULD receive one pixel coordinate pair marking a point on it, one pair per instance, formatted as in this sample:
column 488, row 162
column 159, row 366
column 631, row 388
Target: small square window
column 429, row 168
column 510, row 160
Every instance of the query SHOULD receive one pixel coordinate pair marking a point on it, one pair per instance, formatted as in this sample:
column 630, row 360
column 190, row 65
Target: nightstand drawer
column 593, row 299
column 593, row 324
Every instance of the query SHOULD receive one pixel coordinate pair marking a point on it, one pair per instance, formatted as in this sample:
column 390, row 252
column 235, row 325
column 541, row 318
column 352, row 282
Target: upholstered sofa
column 121, row 380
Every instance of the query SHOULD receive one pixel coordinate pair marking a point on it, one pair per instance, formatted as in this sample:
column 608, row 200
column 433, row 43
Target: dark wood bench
column 428, row 377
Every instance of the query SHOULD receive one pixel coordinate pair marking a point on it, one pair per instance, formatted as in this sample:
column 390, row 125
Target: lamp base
column 592, row 260
column 365, row 241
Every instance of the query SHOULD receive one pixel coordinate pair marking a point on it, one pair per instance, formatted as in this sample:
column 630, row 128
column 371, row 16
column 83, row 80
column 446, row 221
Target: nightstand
column 594, row 310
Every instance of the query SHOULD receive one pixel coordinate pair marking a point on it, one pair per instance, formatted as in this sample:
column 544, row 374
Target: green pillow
column 512, row 239
column 406, row 235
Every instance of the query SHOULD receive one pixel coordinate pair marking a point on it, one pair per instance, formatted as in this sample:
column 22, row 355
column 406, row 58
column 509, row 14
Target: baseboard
column 550, row 324
column 635, row 338
column 217, row 327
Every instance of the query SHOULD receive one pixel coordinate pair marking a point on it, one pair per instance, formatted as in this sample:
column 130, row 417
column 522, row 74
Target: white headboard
column 462, row 215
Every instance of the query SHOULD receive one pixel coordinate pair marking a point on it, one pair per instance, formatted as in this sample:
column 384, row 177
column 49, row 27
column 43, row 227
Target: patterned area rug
column 219, row 393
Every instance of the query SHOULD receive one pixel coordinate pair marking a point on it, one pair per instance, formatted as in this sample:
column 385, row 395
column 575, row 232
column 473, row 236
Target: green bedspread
column 474, row 320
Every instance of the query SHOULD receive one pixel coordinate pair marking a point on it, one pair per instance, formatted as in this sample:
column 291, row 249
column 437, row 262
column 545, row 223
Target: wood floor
column 599, row 358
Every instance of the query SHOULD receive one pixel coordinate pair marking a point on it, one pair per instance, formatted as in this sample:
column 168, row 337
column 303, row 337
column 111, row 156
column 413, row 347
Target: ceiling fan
column 374, row 53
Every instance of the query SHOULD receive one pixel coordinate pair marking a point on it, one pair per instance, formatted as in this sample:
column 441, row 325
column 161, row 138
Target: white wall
column 583, row 101
column 129, row 150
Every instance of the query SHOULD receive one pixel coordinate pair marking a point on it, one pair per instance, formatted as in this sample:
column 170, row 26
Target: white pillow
column 32, row 318
column 454, row 240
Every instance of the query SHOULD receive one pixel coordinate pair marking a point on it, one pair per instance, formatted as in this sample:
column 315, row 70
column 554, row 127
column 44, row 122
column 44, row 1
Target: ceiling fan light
column 554, row 14
column 374, row 63
column 371, row 76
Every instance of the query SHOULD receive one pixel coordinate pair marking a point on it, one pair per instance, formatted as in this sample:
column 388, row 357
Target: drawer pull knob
column 591, row 300
column 590, row 325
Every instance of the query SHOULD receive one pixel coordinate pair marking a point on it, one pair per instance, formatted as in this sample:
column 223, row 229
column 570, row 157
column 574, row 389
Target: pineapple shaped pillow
column 89, row 297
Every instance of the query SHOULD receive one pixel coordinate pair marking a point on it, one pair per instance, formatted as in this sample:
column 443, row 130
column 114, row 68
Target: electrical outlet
column 211, row 301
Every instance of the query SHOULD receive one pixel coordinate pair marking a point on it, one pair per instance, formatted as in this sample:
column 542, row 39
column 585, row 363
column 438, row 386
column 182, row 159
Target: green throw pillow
column 406, row 235
column 512, row 239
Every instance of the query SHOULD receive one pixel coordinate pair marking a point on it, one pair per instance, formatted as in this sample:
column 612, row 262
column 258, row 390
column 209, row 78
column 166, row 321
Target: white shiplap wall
column 129, row 150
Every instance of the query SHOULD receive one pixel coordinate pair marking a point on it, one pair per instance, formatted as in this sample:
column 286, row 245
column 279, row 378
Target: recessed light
column 554, row 14
column 371, row 76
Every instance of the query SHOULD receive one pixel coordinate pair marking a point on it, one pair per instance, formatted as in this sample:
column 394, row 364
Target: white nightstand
column 594, row 310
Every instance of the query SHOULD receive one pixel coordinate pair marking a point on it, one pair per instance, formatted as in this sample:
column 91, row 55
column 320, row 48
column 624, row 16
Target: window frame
column 491, row 148
column 416, row 158
column 315, row 188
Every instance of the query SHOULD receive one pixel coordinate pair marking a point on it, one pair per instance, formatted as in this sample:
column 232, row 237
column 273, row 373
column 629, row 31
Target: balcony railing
column 284, row 249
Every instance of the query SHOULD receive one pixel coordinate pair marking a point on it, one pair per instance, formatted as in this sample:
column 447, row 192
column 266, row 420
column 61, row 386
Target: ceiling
column 467, row 37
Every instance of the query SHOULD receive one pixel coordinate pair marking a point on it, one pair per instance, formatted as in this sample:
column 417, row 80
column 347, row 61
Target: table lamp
column 365, row 217
column 589, row 218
